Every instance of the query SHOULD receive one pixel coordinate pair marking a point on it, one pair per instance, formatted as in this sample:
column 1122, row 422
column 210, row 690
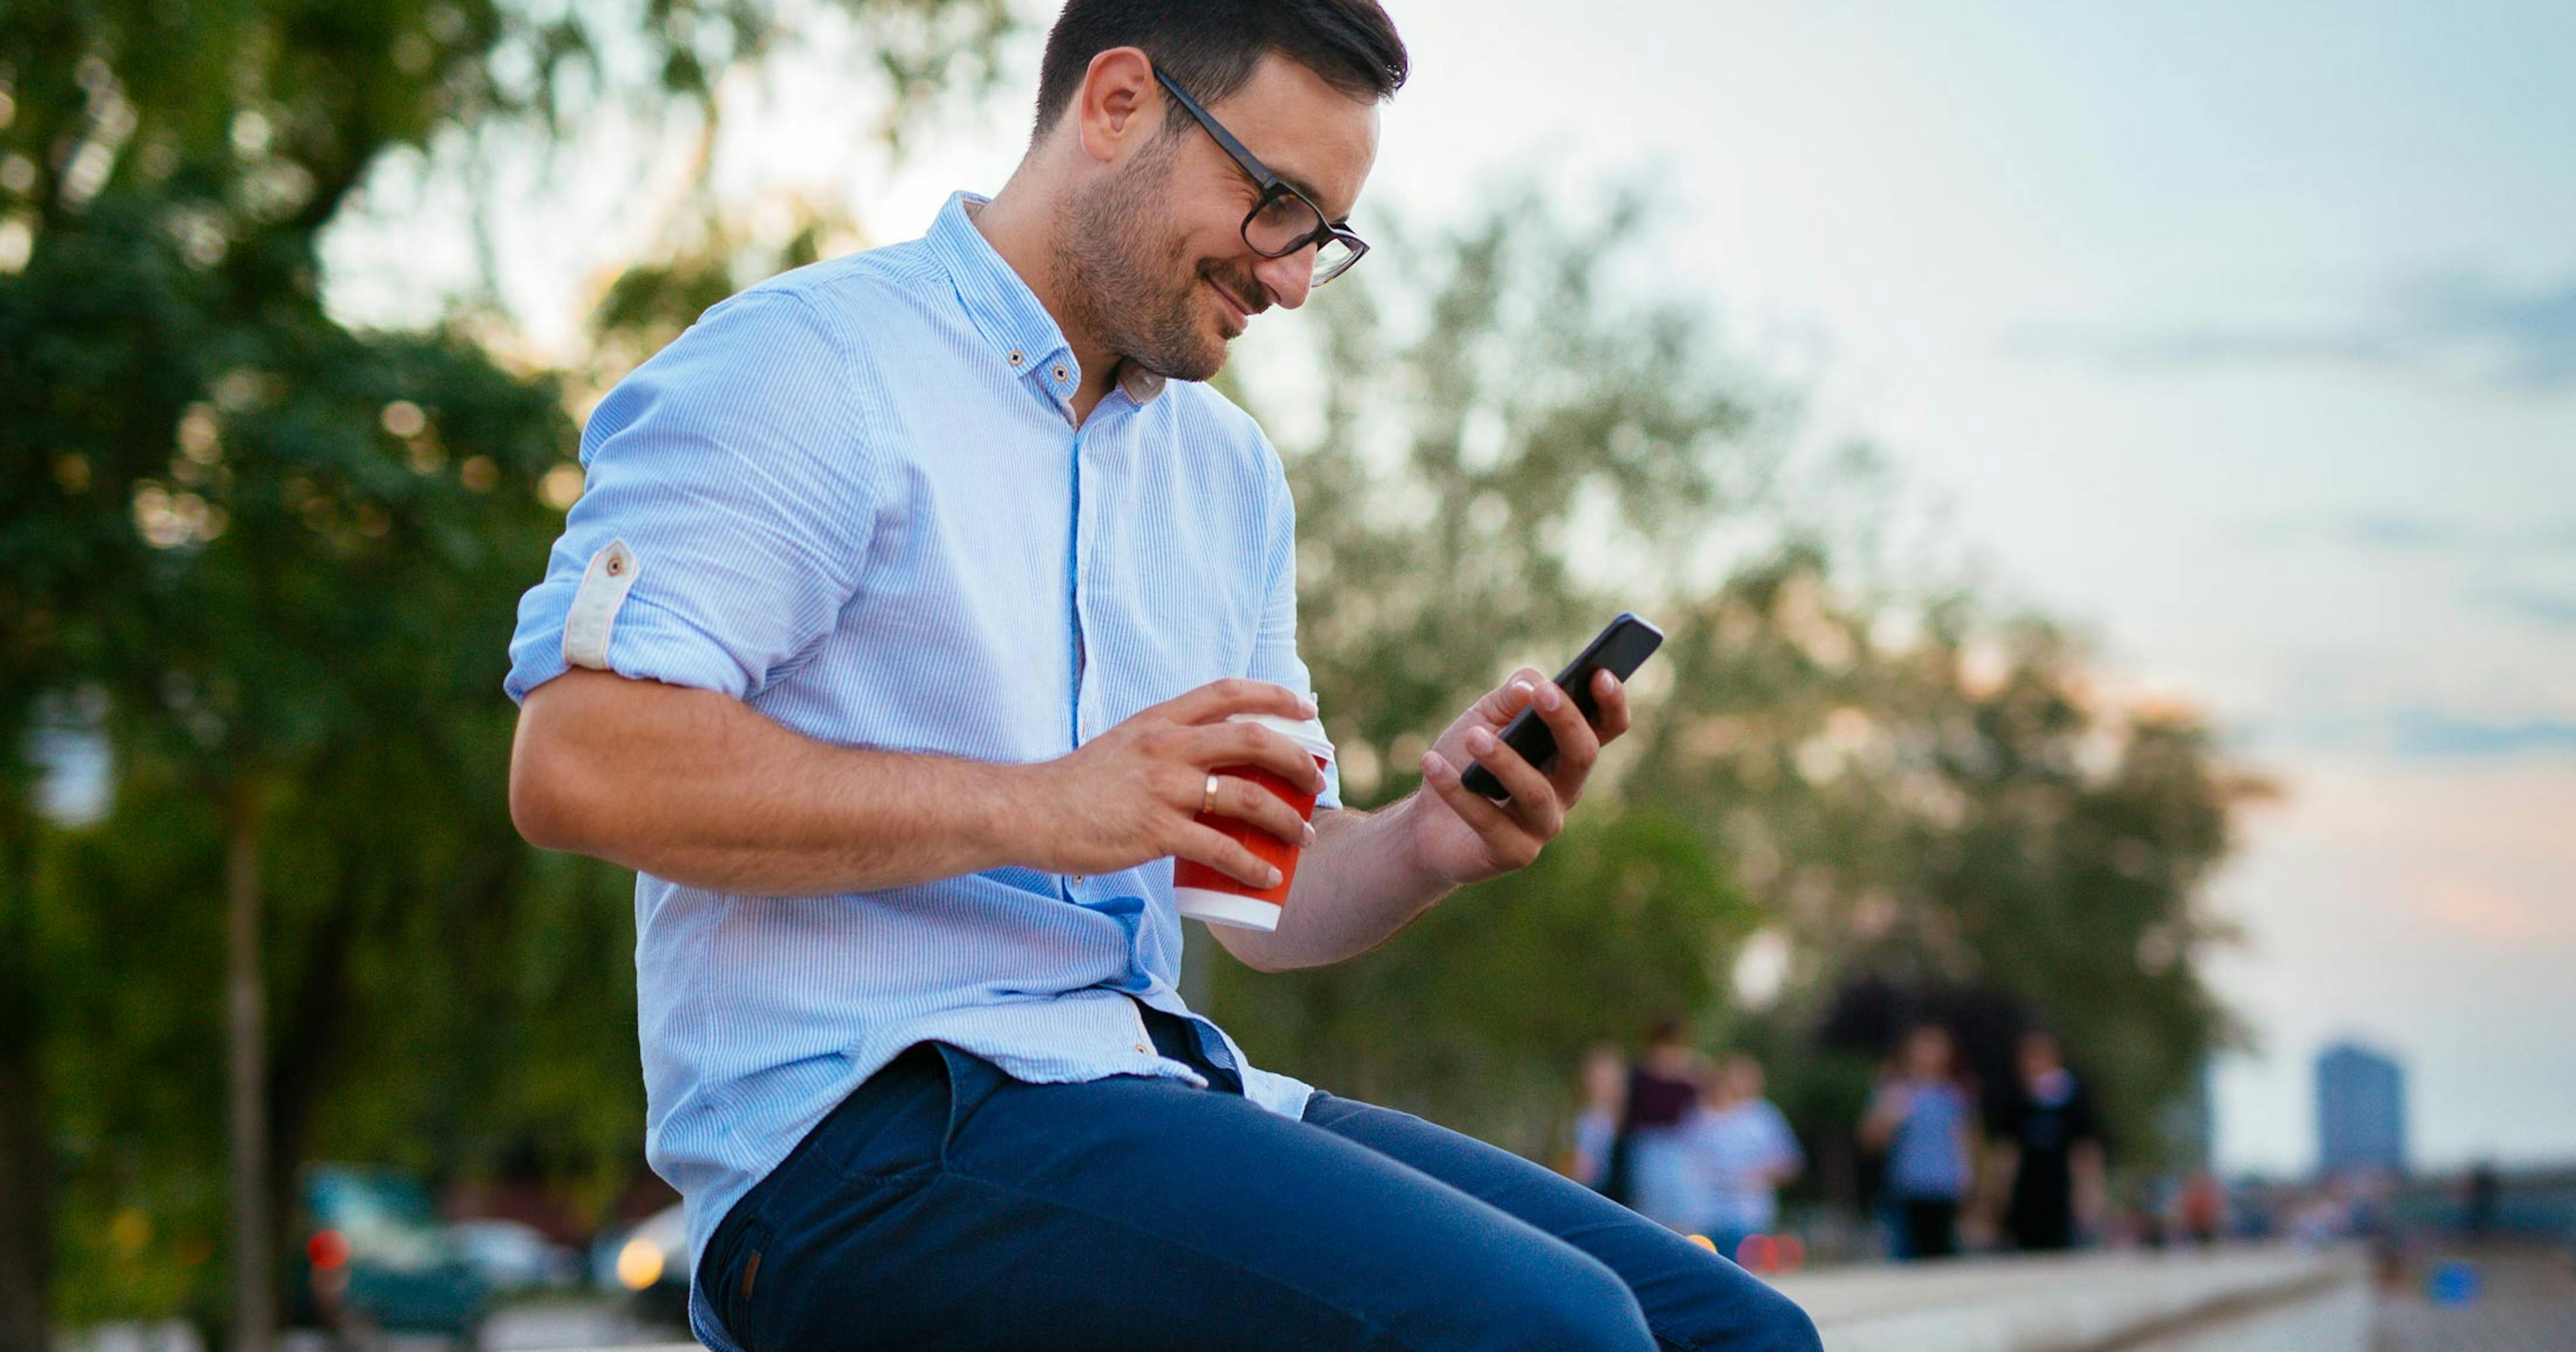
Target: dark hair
column 1210, row 46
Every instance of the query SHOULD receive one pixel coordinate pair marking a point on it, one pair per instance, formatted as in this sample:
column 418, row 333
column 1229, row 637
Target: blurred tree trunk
column 26, row 1147
column 307, row 1036
column 254, row 1243
column 26, row 1171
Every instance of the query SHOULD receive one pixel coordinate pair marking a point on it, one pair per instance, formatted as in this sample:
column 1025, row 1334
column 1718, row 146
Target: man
column 2050, row 1149
column 893, row 641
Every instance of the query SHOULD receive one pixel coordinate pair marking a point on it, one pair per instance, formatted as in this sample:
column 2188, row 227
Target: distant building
column 2361, row 1111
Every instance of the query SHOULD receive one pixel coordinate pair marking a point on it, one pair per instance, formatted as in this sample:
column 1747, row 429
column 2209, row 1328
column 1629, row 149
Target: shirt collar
column 1009, row 316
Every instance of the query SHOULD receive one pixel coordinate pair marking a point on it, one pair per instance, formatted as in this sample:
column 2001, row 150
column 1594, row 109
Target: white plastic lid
column 1305, row 732
column 1225, row 908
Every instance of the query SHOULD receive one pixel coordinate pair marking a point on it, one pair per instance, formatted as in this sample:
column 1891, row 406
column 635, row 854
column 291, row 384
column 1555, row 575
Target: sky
column 2242, row 334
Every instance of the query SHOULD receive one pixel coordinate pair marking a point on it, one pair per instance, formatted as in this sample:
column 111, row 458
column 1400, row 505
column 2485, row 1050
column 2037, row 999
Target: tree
column 1958, row 808
column 322, row 548
column 1509, row 454
column 283, row 550
column 1880, row 774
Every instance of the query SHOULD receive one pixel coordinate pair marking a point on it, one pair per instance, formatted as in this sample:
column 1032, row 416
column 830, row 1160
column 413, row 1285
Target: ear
column 1119, row 106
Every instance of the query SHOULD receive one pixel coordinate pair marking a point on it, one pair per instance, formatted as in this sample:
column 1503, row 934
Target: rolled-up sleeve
column 1274, row 647
column 731, row 470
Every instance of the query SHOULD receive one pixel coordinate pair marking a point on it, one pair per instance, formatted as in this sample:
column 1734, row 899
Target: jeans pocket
column 898, row 1123
column 970, row 1079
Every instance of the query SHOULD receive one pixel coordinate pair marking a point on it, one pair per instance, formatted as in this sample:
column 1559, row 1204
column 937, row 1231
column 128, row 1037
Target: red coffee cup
column 1218, row 898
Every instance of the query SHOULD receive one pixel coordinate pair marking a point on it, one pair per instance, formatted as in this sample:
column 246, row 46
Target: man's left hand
column 1462, row 836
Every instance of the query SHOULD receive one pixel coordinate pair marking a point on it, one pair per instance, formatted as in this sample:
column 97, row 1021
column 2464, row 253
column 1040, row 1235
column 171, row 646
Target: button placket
column 1073, row 600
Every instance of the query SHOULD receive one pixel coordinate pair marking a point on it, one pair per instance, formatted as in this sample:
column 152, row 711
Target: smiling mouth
column 1234, row 308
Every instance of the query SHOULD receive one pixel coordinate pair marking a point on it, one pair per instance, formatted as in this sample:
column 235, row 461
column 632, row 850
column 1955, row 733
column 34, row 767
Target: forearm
column 696, row 787
column 1356, row 887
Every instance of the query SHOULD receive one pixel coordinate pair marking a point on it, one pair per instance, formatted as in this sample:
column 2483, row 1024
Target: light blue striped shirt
column 854, row 497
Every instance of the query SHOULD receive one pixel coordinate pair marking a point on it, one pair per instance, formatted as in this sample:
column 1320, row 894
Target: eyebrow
column 1299, row 182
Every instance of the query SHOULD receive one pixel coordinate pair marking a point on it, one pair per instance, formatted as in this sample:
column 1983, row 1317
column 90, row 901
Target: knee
column 1787, row 1328
column 1578, row 1305
column 1749, row 1316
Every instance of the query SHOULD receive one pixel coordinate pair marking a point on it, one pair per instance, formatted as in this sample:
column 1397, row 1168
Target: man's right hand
column 1132, row 795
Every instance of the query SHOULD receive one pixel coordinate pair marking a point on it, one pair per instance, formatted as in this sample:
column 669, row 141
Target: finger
column 1247, row 801
column 1220, row 700
column 1502, row 703
column 1610, row 696
column 1533, row 800
column 1577, row 746
column 1225, row 854
column 1504, row 837
column 1217, row 744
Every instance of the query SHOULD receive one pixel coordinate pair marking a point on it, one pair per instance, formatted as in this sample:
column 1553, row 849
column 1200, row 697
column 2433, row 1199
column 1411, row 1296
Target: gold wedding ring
column 1207, row 800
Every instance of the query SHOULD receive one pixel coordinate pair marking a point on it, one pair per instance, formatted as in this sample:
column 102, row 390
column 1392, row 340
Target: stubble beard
column 1123, row 271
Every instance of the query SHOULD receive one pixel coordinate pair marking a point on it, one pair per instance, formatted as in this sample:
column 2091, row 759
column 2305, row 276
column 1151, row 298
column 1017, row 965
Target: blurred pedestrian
column 2201, row 1209
column 2486, row 1187
column 1924, row 1117
column 1596, row 1125
column 1745, row 1151
column 2048, row 1146
column 1650, row 1164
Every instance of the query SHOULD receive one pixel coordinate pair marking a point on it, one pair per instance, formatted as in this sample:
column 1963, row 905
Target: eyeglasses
column 1284, row 220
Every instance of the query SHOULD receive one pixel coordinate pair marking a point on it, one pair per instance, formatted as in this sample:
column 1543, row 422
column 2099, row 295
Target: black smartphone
column 1619, row 650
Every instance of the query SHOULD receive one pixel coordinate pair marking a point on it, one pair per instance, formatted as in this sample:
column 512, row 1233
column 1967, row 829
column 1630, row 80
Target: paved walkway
column 2225, row 1300
column 2526, row 1302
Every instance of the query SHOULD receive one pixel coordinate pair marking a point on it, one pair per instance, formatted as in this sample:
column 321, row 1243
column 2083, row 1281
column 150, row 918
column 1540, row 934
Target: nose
column 1287, row 279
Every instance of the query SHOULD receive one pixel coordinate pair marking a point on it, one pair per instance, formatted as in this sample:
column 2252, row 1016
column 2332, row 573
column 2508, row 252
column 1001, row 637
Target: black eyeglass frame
column 1272, row 186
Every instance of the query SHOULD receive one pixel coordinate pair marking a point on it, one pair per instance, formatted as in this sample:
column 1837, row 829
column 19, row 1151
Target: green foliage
column 274, row 562
column 1502, row 439
column 1961, row 808
column 286, row 555
column 1475, row 1016
column 1894, row 784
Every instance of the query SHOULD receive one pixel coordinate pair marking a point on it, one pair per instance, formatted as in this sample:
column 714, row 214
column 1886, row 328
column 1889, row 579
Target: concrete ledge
column 2240, row 1297
column 2227, row 1300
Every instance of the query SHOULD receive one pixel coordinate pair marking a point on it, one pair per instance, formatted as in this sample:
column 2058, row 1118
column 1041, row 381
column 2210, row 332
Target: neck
column 1019, row 223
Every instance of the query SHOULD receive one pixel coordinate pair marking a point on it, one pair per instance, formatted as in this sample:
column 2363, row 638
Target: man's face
column 1155, row 250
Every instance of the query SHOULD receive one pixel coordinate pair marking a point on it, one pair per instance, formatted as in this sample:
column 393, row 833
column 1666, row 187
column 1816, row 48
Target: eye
column 1285, row 213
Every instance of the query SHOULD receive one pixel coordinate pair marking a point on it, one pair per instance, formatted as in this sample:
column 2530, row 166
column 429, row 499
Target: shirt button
column 1060, row 373
column 1018, row 357
column 1145, row 1049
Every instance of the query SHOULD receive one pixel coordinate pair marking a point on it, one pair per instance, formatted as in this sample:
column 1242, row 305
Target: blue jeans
column 945, row 1205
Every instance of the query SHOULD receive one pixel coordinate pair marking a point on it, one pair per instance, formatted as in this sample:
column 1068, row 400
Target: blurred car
column 651, row 1261
column 374, row 1257
column 514, row 1255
